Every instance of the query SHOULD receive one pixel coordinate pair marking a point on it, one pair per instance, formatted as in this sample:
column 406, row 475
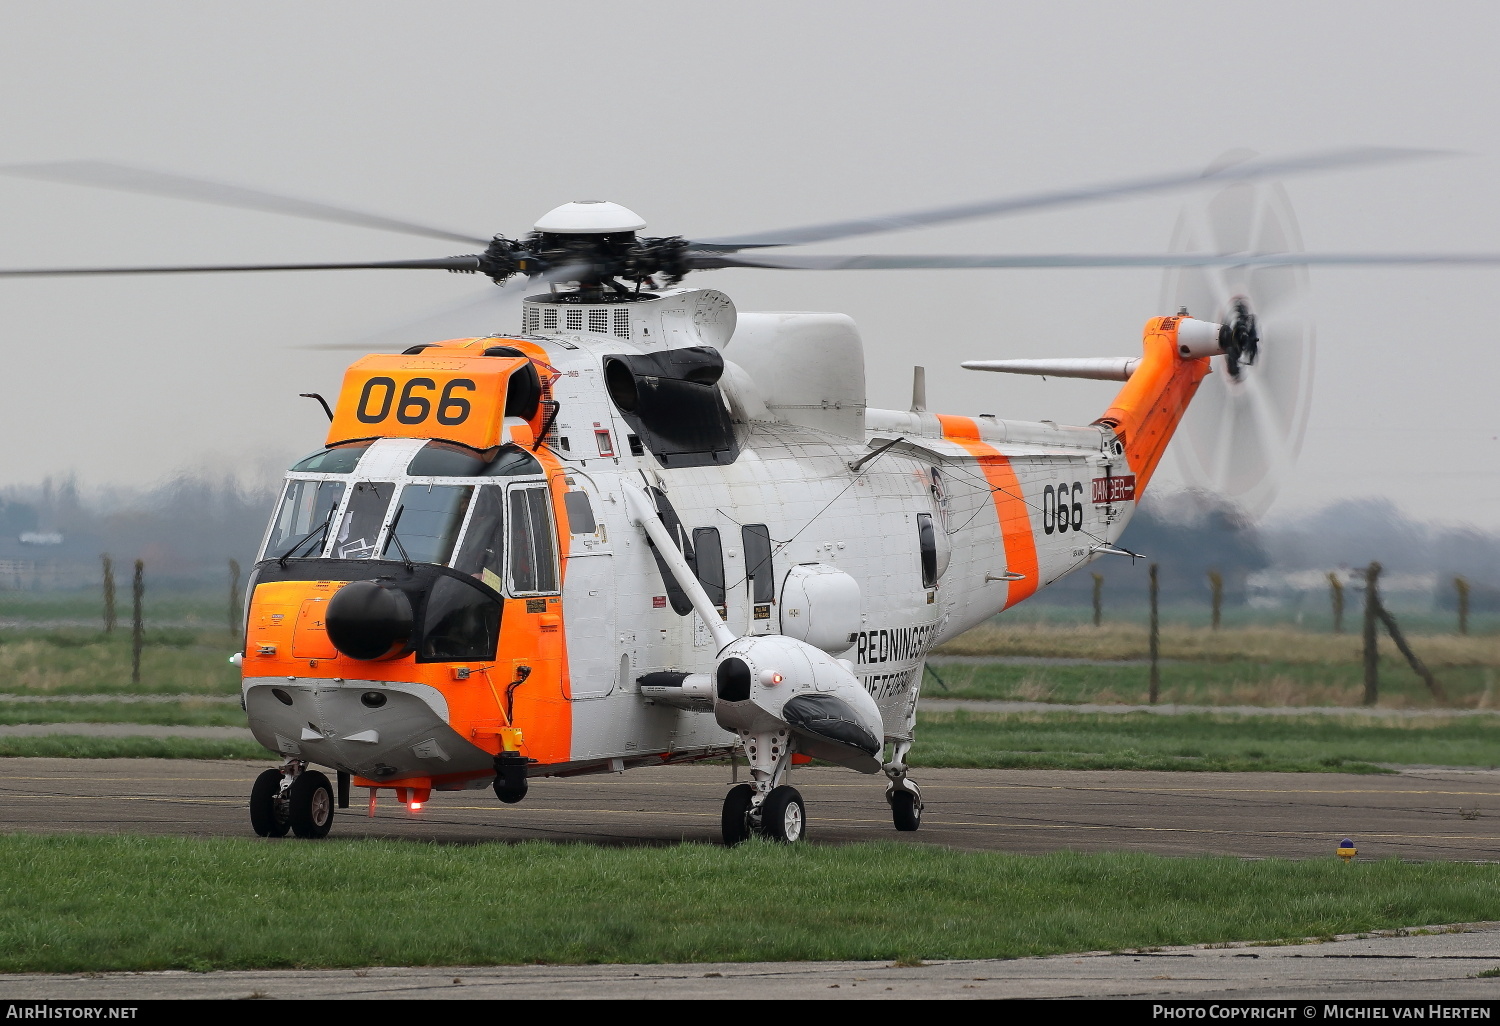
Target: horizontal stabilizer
column 1100, row 368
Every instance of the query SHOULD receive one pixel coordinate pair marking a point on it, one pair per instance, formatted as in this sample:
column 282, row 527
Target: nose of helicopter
column 376, row 730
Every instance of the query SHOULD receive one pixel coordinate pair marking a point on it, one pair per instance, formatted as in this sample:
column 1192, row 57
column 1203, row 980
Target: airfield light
column 1347, row 851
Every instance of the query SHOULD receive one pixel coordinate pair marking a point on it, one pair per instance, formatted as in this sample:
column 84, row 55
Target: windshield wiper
column 397, row 538
column 321, row 530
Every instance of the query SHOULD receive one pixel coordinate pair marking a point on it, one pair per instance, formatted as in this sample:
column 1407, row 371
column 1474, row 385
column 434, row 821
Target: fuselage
column 539, row 605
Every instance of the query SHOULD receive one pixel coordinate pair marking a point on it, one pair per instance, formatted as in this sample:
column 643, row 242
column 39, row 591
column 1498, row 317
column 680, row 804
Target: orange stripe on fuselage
column 1010, row 505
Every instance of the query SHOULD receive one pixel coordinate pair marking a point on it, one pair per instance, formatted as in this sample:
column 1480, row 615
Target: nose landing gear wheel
column 268, row 810
column 906, row 810
column 734, row 822
column 310, row 804
column 783, row 816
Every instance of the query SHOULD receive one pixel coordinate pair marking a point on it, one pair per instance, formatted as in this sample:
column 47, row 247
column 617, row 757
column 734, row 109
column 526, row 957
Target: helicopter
column 645, row 528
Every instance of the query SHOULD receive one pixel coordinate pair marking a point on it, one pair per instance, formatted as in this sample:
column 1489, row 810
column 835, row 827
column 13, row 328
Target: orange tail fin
column 1146, row 412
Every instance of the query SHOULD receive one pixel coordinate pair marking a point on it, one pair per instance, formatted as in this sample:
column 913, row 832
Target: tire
column 263, row 812
column 783, row 816
column 310, row 802
column 734, row 823
column 906, row 810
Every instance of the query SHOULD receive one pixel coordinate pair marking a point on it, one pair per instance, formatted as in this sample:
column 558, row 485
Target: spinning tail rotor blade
column 1244, row 430
column 1248, row 170
column 121, row 177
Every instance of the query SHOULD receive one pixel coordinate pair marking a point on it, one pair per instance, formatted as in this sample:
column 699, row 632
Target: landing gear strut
column 765, row 806
column 292, row 798
column 903, row 794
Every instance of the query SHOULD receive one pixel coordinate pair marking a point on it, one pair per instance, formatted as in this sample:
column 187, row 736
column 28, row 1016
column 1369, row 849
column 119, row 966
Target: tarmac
column 1432, row 813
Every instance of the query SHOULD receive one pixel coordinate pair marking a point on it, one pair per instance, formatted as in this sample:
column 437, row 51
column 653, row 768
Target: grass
column 75, row 746
column 75, row 661
column 1271, row 683
column 1201, row 742
column 71, row 903
column 188, row 713
column 1284, row 643
column 163, row 604
column 1245, row 666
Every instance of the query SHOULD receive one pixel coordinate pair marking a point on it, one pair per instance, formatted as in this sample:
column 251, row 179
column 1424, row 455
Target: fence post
column 109, row 594
column 1216, row 584
column 1155, row 638
column 1372, row 655
column 1098, row 598
column 1462, row 585
column 234, row 596
column 137, row 629
column 1336, row 593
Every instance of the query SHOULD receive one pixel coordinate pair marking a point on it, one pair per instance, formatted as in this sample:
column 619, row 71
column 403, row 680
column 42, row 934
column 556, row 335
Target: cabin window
column 927, row 539
column 302, row 518
column 580, row 513
column 426, row 522
column 757, row 541
column 483, row 546
column 709, row 564
column 533, row 560
column 363, row 519
column 338, row 460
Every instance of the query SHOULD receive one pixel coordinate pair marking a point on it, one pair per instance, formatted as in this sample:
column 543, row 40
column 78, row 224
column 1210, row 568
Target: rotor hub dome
column 589, row 217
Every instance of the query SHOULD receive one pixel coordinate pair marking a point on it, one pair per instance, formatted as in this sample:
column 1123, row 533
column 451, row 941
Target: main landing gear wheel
column 783, row 816
column 734, row 822
column 310, row 804
column 268, row 811
column 906, row 810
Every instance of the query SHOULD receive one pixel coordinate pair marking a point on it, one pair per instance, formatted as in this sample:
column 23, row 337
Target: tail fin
column 1146, row 412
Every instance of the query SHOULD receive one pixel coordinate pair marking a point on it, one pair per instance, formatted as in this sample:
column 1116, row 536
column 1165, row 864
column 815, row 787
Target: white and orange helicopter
column 644, row 528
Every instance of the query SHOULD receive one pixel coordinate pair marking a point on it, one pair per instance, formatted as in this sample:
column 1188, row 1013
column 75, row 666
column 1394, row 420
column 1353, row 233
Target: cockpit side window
column 533, row 560
column 360, row 529
column 302, row 518
column 482, row 552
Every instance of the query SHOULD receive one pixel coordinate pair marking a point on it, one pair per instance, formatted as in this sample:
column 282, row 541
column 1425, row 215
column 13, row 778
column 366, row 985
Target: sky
column 717, row 118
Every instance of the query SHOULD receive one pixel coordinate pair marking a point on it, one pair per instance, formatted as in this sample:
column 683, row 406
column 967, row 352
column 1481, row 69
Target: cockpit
column 426, row 502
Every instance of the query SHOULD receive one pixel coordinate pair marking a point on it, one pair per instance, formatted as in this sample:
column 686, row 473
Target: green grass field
column 76, row 661
column 74, row 746
column 1202, row 742
column 1211, row 683
column 70, row 903
column 186, row 713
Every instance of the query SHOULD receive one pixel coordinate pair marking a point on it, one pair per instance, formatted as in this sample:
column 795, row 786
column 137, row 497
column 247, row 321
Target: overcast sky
column 710, row 118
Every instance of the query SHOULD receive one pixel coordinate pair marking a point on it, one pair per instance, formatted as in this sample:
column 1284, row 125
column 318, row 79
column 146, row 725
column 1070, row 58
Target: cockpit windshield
column 359, row 531
column 427, row 521
column 302, row 518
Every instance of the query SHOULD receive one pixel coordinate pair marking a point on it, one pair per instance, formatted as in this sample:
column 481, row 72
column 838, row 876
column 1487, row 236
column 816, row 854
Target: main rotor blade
column 460, row 318
column 1244, row 171
column 124, row 178
column 453, row 263
column 937, row 261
